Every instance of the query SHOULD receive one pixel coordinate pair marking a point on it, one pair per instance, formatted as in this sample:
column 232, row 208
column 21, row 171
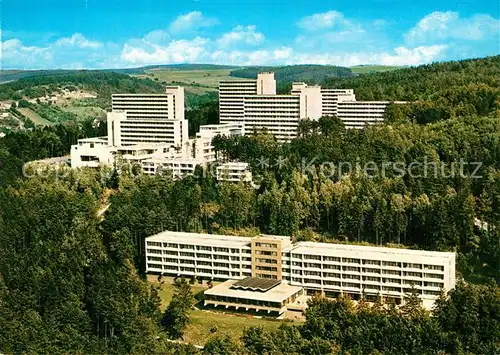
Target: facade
column 91, row 152
column 331, row 98
column 196, row 152
column 234, row 172
column 255, row 104
column 277, row 114
column 233, row 92
column 326, row 268
column 357, row 114
column 148, row 118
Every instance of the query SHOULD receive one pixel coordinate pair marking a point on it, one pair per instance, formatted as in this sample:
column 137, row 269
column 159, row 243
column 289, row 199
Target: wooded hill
column 290, row 73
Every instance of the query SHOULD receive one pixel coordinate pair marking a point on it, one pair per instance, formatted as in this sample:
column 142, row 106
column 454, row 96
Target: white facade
column 201, row 255
column 357, row 114
column 255, row 104
column 231, row 99
column 331, row 98
column 390, row 272
column 148, row 118
column 91, row 152
column 317, row 267
column 234, row 172
column 199, row 151
column 277, row 114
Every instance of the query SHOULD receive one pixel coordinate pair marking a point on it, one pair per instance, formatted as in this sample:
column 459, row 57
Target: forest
column 73, row 282
column 290, row 73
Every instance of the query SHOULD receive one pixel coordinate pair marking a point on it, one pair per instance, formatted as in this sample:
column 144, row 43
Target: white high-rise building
column 331, row 98
column 255, row 104
column 148, row 118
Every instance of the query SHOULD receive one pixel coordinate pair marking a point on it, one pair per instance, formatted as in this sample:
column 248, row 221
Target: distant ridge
column 308, row 73
column 12, row 75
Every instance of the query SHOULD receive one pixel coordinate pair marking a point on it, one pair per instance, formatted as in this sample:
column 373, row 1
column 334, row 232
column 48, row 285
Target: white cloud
column 323, row 21
column 157, row 36
column 414, row 56
column 321, row 31
column 77, row 40
column 190, row 21
column 439, row 26
column 241, row 35
column 13, row 51
column 177, row 51
column 288, row 56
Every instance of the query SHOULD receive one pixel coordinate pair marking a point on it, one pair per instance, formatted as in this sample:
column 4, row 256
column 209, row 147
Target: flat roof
column 365, row 252
column 233, row 165
column 94, row 139
column 279, row 293
column 256, row 284
column 227, row 241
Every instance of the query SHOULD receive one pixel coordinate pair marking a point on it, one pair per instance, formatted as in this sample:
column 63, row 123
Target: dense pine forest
column 73, row 282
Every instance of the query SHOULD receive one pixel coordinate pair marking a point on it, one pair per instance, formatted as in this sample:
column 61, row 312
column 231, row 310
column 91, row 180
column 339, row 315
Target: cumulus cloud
column 323, row 21
column 77, row 40
column 15, row 53
column 448, row 25
column 321, row 31
column 327, row 38
column 177, row 51
column 72, row 52
column 289, row 56
column 157, row 36
column 191, row 21
column 241, row 35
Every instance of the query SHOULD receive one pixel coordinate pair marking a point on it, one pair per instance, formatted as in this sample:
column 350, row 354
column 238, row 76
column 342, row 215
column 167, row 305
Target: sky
column 94, row 34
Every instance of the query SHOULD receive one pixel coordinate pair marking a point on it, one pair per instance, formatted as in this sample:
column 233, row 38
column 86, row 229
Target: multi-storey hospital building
column 255, row 104
column 316, row 267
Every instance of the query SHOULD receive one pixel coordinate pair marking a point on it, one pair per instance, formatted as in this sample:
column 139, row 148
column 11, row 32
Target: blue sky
column 129, row 33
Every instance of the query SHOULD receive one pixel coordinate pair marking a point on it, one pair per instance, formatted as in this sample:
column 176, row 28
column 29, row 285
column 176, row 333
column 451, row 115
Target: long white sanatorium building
column 317, row 267
column 255, row 104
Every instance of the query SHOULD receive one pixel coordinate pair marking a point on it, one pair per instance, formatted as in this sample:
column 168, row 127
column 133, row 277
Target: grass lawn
column 199, row 331
column 34, row 117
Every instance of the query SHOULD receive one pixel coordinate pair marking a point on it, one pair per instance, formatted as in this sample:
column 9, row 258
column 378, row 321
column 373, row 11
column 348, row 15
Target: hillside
column 65, row 96
column 12, row 75
column 307, row 73
column 422, row 82
column 196, row 81
column 437, row 91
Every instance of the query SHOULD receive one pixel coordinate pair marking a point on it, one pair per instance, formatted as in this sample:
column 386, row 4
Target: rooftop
column 362, row 251
column 227, row 241
column 278, row 293
column 255, row 284
column 233, row 165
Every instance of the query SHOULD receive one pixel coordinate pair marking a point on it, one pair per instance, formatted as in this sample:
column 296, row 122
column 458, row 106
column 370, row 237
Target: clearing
column 34, row 117
column 84, row 111
column 365, row 69
column 194, row 81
